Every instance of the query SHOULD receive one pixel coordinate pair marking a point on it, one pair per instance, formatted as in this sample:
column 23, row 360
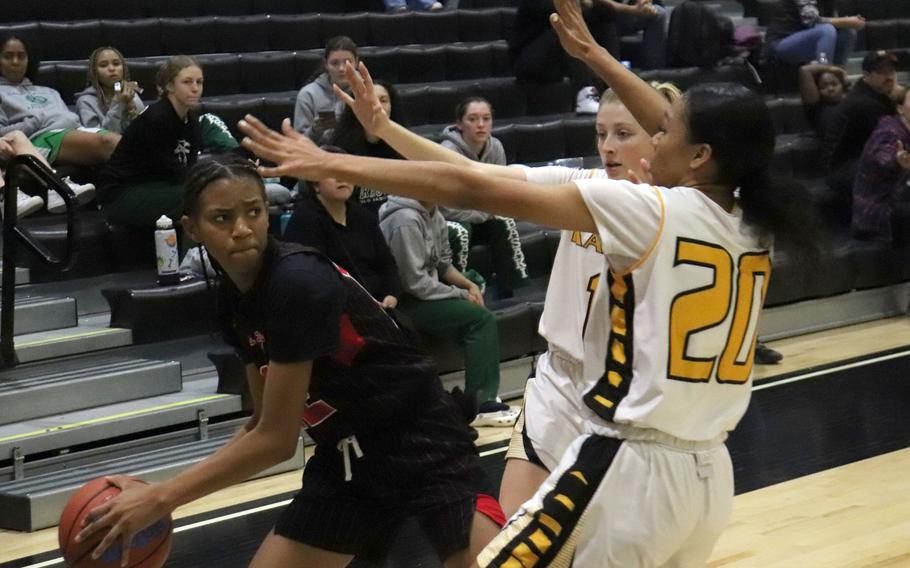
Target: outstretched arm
column 296, row 156
column 371, row 115
column 646, row 104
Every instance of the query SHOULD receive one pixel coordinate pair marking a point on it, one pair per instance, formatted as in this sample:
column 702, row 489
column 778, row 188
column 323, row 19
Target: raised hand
column 645, row 176
column 902, row 155
column 135, row 508
column 295, row 154
column 364, row 103
column 129, row 89
column 570, row 27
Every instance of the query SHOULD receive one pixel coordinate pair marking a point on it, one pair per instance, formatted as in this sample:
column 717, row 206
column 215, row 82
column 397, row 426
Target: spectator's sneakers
column 25, row 204
column 495, row 413
column 437, row 6
column 764, row 355
column 587, row 101
column 84, row 194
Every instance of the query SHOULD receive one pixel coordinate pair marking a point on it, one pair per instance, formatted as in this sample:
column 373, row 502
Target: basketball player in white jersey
column 687, row 264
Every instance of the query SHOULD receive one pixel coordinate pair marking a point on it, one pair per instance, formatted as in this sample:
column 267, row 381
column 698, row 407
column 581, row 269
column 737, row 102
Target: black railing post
column 8, row 284
column 20, row 171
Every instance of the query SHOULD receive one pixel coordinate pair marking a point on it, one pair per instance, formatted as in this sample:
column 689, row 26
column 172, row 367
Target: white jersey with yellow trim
column 686, row 283
column 572, row 291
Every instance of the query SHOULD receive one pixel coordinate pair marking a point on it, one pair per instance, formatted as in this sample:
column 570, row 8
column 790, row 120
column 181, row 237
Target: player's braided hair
column 210, row 170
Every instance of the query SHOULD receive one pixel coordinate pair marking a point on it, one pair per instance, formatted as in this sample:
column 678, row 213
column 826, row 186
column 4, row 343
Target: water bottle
column 166, row 251
column 823, row 58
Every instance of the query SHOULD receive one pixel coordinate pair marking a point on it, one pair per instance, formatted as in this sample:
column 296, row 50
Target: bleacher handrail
column 22, row 170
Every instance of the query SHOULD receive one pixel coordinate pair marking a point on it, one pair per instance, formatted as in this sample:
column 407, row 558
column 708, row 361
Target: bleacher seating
column 75, row 39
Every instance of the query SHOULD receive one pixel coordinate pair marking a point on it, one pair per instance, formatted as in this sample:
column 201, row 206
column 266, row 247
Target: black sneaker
column 764, row 355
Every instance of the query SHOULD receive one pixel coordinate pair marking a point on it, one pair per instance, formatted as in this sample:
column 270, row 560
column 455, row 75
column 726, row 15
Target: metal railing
column 28, row 172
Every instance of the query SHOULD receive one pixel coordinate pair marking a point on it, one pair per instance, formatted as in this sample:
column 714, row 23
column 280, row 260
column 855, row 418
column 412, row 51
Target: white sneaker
column 498, row 418
column 25, row 204
column 84, row 194
column 437, row 6
column 587, row 101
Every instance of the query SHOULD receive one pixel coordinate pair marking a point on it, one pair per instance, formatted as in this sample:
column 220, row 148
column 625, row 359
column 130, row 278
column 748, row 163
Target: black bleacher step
column 94, row 256
column 63, row 386
column 35, row 503
column 124, row 425
column 43, row 313
column 156, row 313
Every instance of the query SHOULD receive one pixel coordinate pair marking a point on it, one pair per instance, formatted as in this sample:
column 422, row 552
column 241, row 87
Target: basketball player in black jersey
column 321, row 352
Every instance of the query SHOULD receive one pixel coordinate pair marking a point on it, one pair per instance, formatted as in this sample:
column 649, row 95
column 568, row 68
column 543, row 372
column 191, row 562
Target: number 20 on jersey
column 703, row 308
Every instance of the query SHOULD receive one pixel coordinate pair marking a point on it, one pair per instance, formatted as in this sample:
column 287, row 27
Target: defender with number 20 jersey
column 686, row 281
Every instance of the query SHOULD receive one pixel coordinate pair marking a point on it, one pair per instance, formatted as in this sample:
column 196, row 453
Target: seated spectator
column 40, row 113
column 471, row 136
column 649, row 17
column 881, row 198
column 16, row 143
column 144, row 178
column 317, row 108
column 799, row 33
column 821, row 87
column 351, row 137
column 865, row 104
column 327, row 219
column 417, row 5
column 111, row 99
column 537, row 56
column 442, row 302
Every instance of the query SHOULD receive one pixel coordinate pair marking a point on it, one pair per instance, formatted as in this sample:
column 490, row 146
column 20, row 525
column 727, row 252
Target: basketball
column 149, row 549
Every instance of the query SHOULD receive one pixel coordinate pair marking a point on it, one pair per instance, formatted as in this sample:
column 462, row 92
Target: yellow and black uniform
column 649, row 482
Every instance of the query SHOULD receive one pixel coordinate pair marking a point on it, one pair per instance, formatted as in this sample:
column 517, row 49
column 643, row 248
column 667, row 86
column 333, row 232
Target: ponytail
column 737, row 124
column 781, row 209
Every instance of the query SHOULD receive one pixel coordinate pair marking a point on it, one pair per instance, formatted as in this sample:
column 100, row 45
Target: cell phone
column 327, row 116
column 118, row 87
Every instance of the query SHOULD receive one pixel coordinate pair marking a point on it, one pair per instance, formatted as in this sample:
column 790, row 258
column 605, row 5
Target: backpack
column 697, row 36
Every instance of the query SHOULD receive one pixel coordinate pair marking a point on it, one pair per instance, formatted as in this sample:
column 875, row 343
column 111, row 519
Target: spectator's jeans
column 654, row 42
column 392, row 5
column 806, row 45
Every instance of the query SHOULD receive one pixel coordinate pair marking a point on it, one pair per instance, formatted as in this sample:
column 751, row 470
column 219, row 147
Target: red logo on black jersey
column 316, row 413
column 349, row 342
